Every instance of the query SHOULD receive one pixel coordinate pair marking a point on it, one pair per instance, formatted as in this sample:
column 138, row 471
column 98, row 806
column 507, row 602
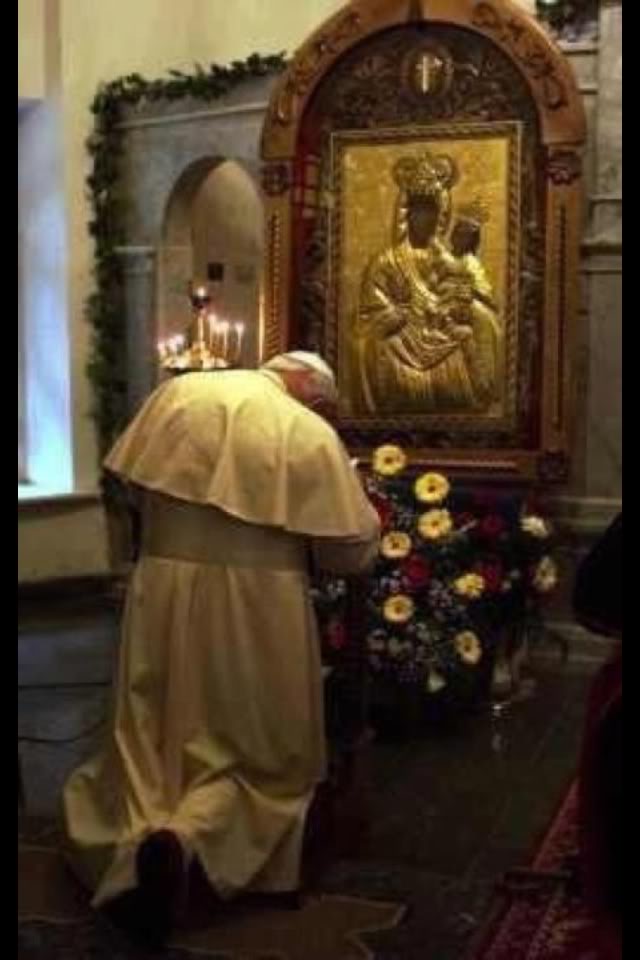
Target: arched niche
column 213, row 222
column 170, row 152
column 442, row 76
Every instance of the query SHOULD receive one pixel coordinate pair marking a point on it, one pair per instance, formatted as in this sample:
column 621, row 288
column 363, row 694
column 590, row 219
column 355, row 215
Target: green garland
column 105, row 307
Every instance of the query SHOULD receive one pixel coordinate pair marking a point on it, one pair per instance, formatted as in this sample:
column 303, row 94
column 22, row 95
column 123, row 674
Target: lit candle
column 239, row 328
column 212, row 331
column 224, row 330
column 176, row 345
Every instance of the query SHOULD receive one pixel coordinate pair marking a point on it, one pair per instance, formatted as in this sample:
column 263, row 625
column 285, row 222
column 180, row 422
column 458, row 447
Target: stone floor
column 452, row 810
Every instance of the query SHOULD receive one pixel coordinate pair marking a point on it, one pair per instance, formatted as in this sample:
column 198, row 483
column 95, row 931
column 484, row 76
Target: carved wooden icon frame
column 425, row 73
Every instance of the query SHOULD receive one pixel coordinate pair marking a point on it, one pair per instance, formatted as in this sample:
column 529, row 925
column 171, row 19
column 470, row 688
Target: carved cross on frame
column 428, row 69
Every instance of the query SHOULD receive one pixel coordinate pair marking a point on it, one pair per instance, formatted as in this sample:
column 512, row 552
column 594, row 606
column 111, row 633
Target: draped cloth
column 600, row 806
column 237, row 441
column 218, row 730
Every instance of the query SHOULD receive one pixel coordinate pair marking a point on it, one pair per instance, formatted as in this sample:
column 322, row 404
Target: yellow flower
column 545, row 576
column 395, row 545
column 398, row 608
column 468, row 646
column 469, row 585
column 389, row 460
column 536, row 526
column 431, row 488
column 435, row 524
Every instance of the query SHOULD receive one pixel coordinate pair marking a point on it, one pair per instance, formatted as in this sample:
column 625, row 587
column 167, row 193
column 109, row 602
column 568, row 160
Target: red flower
column 493, row 576
column 383, row 508
column 416, row 571
column 336, row 635
column 492, row 525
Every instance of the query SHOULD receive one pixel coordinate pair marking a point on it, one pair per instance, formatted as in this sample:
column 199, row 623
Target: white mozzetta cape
column 236, row 440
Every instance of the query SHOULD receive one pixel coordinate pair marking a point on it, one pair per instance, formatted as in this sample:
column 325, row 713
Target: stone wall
column 594, row 495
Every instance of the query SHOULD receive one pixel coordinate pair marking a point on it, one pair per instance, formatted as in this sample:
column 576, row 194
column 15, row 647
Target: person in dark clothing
column 598, row 607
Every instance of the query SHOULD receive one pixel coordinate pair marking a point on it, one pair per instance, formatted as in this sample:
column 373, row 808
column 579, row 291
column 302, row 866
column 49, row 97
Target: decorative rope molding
column 104, row 309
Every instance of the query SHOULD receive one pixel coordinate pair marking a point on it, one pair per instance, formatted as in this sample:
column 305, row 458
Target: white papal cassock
column 218, row 724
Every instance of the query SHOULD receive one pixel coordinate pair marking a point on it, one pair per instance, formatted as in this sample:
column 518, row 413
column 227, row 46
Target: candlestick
column 200, row 296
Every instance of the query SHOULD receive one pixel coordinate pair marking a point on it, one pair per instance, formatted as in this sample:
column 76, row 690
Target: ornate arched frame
column 293, row 186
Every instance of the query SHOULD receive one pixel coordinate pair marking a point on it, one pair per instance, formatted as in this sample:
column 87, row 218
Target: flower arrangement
column 458, row 569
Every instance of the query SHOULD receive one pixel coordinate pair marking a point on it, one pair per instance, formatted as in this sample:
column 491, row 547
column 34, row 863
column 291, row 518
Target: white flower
column 536, row 526
column 545, row 576
column 435, row 681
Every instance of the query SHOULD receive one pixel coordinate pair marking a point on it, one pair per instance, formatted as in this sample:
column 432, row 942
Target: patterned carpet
column 539, row 914
column 55, row 921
